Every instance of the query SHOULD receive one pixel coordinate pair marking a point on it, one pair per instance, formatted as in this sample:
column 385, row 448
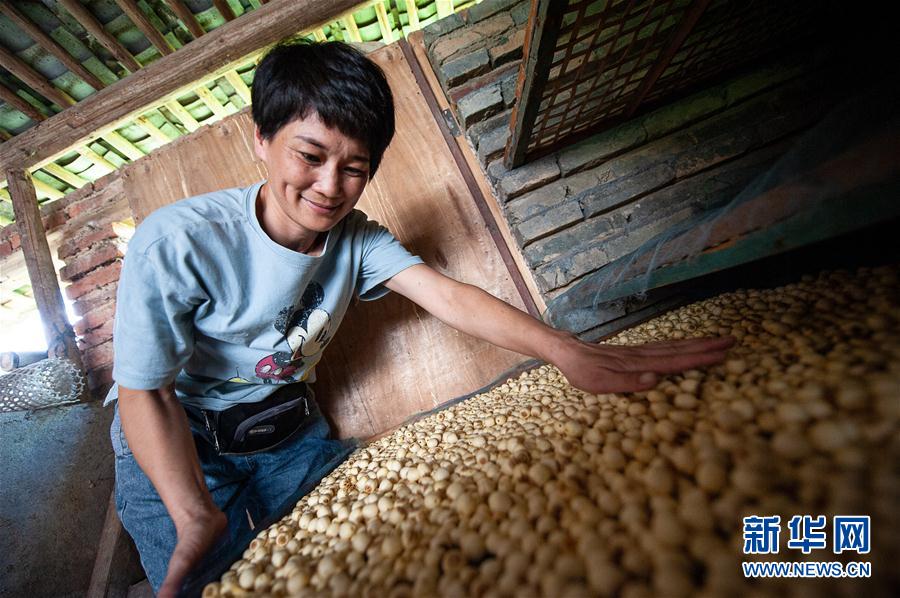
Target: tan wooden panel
column 214, row 157
column 390, row 359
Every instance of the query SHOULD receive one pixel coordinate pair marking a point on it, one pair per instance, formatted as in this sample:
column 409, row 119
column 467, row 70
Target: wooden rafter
column 49, row 191
column 186, row 16
column 33, row 79
column 224, row 9
column 205, row 59
column 90, row 23
column 128, row 149
column 133, row 12
column 96, row 158
column 207, row 97
column 239, row 86
column 152, row 130
column 50, row 44
column 181, row 113
column 20, row 104
column 66, row 176
column 383, row 23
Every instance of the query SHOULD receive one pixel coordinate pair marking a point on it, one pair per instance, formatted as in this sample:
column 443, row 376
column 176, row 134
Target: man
column 227, row 300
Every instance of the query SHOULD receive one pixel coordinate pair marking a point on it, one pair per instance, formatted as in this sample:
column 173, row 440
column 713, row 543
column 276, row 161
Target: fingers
column 183, row 560
column 693, row 345
column 194, row 540
column 616, row 381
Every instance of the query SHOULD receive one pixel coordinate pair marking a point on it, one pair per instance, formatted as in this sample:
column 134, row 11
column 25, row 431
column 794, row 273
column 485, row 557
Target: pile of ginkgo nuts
column 535, row 488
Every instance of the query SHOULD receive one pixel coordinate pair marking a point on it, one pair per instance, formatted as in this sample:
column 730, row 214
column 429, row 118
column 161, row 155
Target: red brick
column 98, row 335
column 95, row 298
column 97, row 278
column 5, row 248
column 98, row 356
column 15, row 240
column 95, row 318
column 90, row 260
column 509, row 50
column 83, row 239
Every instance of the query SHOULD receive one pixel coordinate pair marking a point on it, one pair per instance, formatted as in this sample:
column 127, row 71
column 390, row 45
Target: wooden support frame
column 133, row 12
column 224, row 9
column 87, row 20
column 33, row 79
column 128, row 149
column 155, row 132
column 186, row 16
column 20, row 104
column 239, row 86
column 50, row 44
column 181, row 113
column 41, row 271
column 207, row 97
column 207, row 59
column 540, row 43
column 96, row 158
column 383, row 23
column 66, row 176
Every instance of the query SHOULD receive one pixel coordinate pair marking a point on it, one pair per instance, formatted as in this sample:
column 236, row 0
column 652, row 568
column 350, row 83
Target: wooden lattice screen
column 591, row 64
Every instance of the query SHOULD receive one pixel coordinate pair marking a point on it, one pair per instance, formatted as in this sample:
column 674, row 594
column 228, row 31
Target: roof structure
column 55, row 54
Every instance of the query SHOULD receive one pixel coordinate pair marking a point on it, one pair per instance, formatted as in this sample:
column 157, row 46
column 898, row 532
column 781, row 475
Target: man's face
column 316, row 176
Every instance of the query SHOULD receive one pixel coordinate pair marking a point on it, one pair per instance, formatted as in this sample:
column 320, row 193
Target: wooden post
column 540, row 43
column 41, row 271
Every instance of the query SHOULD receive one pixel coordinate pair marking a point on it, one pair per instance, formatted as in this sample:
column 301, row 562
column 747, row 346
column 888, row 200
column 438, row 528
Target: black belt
column 253, row 427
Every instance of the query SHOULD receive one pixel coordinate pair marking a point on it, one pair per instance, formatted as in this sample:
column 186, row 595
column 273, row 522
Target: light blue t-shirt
column 208, row 300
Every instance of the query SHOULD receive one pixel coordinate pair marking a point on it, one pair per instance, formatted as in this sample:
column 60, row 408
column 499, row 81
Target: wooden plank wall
column 390, row 359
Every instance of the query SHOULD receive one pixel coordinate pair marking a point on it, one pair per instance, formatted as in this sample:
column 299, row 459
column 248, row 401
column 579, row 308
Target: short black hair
column 348, row 91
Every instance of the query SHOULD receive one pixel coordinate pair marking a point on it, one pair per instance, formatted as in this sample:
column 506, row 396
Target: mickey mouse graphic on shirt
column 307, row 331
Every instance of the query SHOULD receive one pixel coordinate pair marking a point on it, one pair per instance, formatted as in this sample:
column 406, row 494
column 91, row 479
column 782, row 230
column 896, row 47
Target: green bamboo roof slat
column 122, row 145
column 180, row 112
column 239, row 86
column 155, row 132
column 65, row 175
column 211, row 101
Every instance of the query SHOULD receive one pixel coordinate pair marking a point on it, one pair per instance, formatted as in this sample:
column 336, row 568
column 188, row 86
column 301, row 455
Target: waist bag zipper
column 209, row 429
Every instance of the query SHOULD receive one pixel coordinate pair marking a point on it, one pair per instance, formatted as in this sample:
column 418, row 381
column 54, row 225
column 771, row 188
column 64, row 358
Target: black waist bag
column 253, row 427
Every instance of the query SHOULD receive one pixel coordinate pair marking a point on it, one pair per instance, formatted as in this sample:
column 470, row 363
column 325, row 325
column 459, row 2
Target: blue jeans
column 262, row 486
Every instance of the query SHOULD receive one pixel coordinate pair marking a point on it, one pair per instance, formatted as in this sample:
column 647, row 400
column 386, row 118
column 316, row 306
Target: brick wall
column 91, row 250
column 575, row 211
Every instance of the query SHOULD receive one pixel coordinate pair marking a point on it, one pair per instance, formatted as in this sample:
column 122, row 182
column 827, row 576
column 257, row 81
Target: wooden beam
column 210, row 100
column 41, row 271
column 152, row 130
column 133, row 12
column 206, row 59
column 90, row 23
column 33, row 79
column 181, row 113
column 540, row 43
column 20, row 104
column 239, row 86
column 383, row 23
column 224, row 9
column 186, row 16
column 96, row 158
column 50, row 44
column 66, row 176
column 130, row 150
column 351, row 27
column 48, row 190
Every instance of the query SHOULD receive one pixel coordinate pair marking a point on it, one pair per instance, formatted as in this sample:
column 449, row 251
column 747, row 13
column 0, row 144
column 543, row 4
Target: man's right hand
column 196, row 535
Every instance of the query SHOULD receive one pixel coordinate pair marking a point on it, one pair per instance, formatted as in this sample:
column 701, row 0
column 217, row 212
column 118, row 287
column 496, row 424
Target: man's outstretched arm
column 591, row 367
column 159, row 436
